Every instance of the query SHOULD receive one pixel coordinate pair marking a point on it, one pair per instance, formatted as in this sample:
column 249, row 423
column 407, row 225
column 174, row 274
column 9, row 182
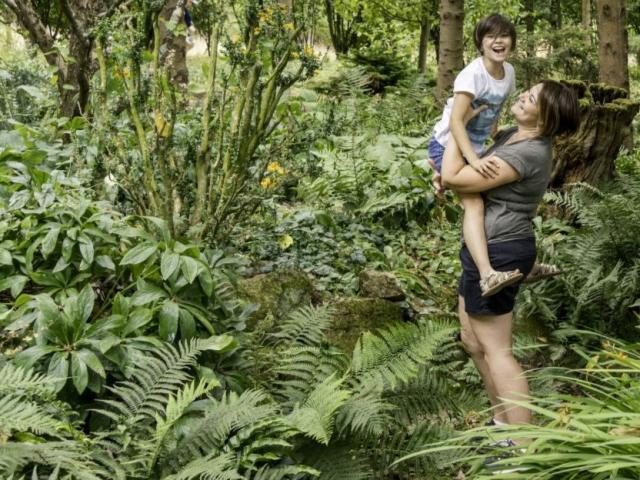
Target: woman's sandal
column 540, row 271
column 496, row 281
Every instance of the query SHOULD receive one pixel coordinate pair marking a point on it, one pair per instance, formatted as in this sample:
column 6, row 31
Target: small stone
column 374, row 284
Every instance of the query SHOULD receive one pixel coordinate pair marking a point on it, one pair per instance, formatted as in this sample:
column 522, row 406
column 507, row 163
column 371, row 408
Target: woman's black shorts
column 504, row 256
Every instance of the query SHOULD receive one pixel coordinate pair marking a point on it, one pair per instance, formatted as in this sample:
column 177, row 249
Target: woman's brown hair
column 558, row 109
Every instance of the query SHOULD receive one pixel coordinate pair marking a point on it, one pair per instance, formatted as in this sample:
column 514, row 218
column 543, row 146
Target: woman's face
column 525, row 109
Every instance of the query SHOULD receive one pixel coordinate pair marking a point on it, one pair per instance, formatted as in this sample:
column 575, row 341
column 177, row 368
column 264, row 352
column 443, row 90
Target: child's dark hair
column 558, row 108
column 497, row 25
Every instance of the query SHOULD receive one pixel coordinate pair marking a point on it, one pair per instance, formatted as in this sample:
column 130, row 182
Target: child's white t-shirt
column 486, row 90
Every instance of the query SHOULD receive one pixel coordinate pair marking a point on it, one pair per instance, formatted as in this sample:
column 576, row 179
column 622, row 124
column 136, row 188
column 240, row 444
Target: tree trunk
column 451, row 58
column 342, row 33
column 589, row 155
column 613, row 43
column 530, row 48
column 556, row 14
column 173, row 49
column 424, row 42
column 586, row 20
column 73, row 75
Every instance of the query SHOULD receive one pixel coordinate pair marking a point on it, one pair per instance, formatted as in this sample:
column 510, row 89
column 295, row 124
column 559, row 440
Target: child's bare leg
column 473, row 230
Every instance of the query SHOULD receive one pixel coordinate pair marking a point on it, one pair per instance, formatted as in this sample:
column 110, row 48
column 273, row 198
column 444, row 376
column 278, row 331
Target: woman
column 522, row 156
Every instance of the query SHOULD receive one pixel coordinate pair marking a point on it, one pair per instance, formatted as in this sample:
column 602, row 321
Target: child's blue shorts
column 436, row 152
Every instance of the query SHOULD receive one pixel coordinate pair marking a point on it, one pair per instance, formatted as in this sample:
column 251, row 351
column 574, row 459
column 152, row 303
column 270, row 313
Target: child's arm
column 457, row 126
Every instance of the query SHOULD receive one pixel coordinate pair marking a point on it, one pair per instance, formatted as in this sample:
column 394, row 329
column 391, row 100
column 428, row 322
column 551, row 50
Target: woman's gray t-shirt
column 508, row 209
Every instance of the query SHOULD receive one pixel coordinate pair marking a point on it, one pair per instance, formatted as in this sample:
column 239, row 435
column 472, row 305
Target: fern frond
column 393, row 355
column 222, row 418
column 14, row 380
column 338, row 461
column 301, row 368
column 315, row 418
column 365, row 413
column 20, row 415
column 158, row 374
column 69, row 456
column 269, row 472
column 210, row 467
column 305, row 326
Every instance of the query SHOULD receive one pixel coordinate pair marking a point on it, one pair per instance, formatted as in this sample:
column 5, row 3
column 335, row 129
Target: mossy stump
column 589, row 154
column 355, row 315
column 278, row 293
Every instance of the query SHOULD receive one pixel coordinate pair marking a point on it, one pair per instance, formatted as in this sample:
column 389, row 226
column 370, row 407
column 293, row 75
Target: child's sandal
column 540, row 271
column 496, row 281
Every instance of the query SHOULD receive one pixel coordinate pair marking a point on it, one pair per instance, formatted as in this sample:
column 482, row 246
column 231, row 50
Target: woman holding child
column 500, row 190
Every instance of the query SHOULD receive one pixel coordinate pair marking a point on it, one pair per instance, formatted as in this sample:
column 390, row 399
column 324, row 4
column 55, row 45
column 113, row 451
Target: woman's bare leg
column 473, row 347
column 494, row 336
column 473, row 229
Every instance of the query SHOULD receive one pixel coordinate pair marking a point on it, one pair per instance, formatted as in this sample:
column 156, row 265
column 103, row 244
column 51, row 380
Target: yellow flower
column 257, row 30
column 266, row 183
column 295, row 54
column 273, row 167
column 308, row 51
column 288, row 26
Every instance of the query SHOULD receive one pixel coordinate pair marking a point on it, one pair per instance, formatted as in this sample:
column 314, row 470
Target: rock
column 278, row 293
column 356, row 315
column 374, row 284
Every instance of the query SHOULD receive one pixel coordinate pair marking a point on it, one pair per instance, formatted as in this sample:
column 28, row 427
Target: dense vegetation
column 143, row 194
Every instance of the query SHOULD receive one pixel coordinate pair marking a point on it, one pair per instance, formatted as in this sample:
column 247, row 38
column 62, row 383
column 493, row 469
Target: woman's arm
column 463, row 178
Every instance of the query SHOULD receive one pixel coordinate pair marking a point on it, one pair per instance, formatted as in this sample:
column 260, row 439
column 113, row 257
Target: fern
column 159, row 373
column 393, row 356
column 316, row 416
column 14, row 380
column 221, row 420
column 210, row 467
column 339, row 461
column 20, row 415
column 68, row 456
column 305, row 327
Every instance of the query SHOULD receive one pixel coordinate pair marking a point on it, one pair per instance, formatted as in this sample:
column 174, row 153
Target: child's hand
column 473, row 112
column 436, row 180
column 487, row 167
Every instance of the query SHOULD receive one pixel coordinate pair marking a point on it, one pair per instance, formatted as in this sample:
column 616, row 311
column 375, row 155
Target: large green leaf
column 27, row 358
column 59, row 369
column 169, row 263
column 138, row 319
column 189, row 267
column 147, row 293
column 79, row 372
column 92, row 361
column 86, row 249
column 139, row 254
column 50, row 240
column 5, row 257
column 169, row 320
column 86, row 299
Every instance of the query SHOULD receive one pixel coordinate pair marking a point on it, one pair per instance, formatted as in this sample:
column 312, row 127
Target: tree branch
column 73, row 21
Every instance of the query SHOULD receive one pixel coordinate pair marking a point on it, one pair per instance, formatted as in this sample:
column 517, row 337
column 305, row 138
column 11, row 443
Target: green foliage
column 591, row 434
column 601, row 286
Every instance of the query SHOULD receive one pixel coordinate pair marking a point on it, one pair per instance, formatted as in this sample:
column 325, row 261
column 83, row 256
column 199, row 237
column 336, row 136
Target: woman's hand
column 487, row 167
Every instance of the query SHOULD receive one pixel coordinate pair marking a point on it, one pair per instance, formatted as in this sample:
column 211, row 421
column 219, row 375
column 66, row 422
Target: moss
column 278, row 293
column 603, row 93
column 356, row 315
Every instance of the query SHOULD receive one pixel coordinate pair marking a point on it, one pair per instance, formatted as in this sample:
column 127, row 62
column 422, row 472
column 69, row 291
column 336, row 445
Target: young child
column 481, row 87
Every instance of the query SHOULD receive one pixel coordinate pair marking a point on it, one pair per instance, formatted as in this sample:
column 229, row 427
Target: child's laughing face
column 496, row 46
